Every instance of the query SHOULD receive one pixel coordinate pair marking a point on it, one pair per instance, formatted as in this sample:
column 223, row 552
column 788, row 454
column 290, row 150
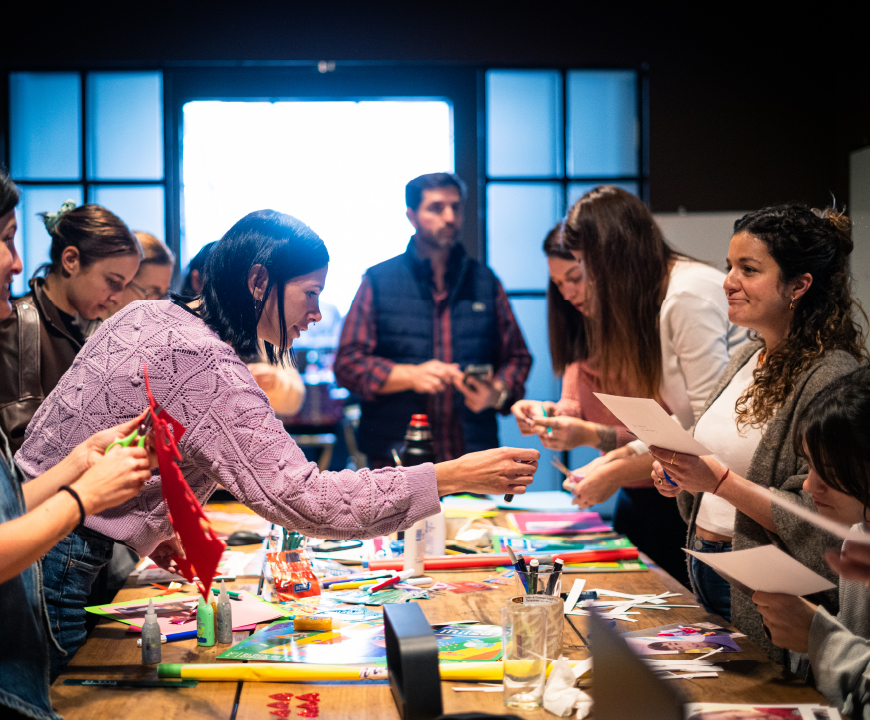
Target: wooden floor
column 111, row 653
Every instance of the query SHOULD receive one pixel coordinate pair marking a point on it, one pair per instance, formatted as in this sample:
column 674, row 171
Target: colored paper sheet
column 537, row 501
column 765, row 568
column 531, row 543
column 360, row 643
column 384, row 597
column 706, row 710
column 568, row 523
column 250, row 609
column 657, row 645
column 606, row 567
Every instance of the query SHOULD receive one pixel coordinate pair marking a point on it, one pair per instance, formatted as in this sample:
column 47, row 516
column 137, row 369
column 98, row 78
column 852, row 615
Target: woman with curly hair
column 788, row 281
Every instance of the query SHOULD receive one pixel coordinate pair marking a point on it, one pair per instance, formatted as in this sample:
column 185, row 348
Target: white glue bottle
column 415, row 548
column 436, row 534
column 224, row 618
column 150, row 637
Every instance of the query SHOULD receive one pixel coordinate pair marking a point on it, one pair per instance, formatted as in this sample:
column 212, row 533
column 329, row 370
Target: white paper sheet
column 650, row 423
column 766, row 568
column 836, row 529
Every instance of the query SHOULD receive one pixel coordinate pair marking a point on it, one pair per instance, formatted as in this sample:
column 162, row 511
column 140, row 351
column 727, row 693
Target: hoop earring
column 791, row 304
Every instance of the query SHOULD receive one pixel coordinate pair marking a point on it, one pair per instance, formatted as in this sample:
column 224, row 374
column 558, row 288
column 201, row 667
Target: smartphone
column 478, row 372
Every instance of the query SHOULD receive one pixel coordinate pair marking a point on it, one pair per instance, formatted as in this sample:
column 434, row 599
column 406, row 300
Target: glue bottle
column 418, row 449
column 224, row 617
column 150, row 637
column 436, row 534
column 204, row 624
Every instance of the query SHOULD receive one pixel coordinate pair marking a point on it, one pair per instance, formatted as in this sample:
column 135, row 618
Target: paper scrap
column 649, row 422
column 765, row 568
column 574, row 595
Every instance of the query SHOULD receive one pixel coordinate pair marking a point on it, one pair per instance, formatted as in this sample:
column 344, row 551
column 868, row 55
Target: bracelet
column 78, row 500
column 727, row 472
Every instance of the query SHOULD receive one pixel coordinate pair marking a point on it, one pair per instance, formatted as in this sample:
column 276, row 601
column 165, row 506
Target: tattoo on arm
column 606, row 437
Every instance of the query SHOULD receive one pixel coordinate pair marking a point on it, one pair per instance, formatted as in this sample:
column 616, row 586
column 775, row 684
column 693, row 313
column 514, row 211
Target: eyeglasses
column 148, row 294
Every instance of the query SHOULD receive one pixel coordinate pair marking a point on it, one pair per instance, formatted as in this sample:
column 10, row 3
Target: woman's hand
column 564, row 432
column 502, row 471
column 526, row 411
column 788, row 618
column 162, row 555
column 612, row 456
column 597, row 486
column 668, row 489
column 690, row 472
column 852, row 563
column 113, row 479
column 86, row 454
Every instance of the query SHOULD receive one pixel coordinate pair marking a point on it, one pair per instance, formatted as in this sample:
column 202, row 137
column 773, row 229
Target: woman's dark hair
column 567, row 332
column 833, row 434
column 626, row 260
column 285, row 247
column 9, row 194
column 94, row 231
column 198, row 263
column 802, row 240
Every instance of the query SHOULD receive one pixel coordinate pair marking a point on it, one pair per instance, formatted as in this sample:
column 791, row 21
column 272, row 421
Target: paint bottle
column 436, row 534
column 204, row 624
column 224, row 617
column 150, row 637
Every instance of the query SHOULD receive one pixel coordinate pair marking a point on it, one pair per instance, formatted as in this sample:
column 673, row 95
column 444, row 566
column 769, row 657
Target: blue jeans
column 713, row 591
column 69, row 570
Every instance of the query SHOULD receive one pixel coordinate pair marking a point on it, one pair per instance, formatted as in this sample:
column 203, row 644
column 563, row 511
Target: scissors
column 138, row 435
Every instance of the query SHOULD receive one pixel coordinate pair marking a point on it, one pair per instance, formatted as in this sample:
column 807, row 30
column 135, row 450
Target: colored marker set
column 536, row 579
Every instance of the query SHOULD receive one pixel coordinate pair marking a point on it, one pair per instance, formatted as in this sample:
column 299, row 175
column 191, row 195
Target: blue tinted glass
column 531, row 314
column 33, row 241
column 45, row 126
column 141, row 208
column 577, row 189
column 518, row 218
column 125, row 126
column 524, row 123
column 602, row 123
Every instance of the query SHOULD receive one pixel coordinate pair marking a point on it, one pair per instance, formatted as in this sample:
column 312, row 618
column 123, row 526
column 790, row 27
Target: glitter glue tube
column 204, row 624
column 224, row 617
column 151, row 637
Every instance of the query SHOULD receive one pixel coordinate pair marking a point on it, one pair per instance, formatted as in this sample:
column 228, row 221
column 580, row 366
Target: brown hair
column 94, row 231
column 626, row 258
column 154, row 252
column 817, row 242
column 567, row 333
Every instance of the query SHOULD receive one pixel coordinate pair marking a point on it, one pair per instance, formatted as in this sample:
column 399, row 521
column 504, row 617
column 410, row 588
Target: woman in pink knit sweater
column 264, row 280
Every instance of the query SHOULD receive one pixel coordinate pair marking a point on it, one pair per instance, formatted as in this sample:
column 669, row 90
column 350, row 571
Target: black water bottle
column 418, row 447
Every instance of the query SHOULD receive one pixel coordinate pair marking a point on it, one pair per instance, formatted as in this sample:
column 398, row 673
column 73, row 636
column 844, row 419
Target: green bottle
column 204, row 623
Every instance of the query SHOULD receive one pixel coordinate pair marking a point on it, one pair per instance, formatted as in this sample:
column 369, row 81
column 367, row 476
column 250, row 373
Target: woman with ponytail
column 788, row 281
column 93, row 257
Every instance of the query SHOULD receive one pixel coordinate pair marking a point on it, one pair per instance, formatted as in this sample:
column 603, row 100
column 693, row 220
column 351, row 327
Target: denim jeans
column 713, row 591
column 69, row 570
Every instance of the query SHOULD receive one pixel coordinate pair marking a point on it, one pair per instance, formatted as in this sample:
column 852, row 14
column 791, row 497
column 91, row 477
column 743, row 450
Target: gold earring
column 791, row 304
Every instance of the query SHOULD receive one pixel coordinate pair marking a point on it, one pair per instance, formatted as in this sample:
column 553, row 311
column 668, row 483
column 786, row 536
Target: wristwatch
column 502, row 399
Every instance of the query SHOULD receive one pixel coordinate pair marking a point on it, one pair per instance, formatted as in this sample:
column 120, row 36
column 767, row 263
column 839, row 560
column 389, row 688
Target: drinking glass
column 524, row 653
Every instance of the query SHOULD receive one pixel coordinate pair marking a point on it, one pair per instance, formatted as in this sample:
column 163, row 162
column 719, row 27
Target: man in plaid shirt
column 417, row 321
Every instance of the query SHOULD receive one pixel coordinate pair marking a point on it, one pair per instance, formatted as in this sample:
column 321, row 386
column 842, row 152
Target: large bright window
column 340, row 167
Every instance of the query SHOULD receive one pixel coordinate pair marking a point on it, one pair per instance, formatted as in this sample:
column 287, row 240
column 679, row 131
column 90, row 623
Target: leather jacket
column 31, row 365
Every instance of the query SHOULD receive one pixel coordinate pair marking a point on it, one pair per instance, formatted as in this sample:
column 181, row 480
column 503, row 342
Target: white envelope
column 649, row 422
column 765, row 568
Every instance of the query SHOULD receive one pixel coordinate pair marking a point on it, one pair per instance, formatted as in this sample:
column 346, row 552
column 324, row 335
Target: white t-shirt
column 697, row 340
column 717, row 430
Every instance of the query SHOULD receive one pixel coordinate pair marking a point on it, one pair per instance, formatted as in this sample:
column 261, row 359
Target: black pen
column 554, row 576
column 533, row 577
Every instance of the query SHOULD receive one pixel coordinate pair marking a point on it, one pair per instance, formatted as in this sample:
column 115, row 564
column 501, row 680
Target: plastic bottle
column 418, row 447
column 415, row 548
column 224, row 617
column 204, row 624
column 436, row 533
column 151, row 649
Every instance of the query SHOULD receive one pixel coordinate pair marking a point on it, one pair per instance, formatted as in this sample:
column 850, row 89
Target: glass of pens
column 540, row 580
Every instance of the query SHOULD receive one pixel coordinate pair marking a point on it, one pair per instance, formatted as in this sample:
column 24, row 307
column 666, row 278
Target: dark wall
column 745, row 109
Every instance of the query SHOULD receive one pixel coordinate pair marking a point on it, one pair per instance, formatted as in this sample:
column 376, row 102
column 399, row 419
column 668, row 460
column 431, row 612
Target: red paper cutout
column 309, row 697
column 282, row 696
column 309, row 705
column 201, row 548
column 280, row 713
column 305, row 712
column 279, row 705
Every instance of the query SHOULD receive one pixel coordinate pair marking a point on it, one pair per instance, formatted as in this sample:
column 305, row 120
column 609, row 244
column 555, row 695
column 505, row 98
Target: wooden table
column 111, row 653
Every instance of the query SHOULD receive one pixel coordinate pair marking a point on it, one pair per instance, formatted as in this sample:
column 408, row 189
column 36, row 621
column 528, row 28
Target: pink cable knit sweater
column 232, row 435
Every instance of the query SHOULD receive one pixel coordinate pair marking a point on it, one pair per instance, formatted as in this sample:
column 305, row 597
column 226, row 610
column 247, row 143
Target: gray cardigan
column 775, row 465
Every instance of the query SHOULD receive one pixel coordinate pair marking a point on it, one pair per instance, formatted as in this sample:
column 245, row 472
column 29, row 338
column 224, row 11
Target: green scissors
column 138, row 435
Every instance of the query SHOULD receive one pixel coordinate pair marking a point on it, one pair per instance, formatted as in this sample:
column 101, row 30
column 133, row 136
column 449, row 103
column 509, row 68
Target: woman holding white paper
column 834, row 436
column 788, row 281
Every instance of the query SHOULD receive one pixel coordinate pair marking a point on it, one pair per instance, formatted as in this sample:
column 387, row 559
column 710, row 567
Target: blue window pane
column 45, row 126
column 32, row 240
column 518, row 217
column 531, row 314
column 577, row 189
column 524, row 123
column 140, row 207
column 602, row 123
column 125, row 126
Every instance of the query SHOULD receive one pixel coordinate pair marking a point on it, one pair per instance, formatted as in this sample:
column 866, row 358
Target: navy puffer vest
column 404, row 308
